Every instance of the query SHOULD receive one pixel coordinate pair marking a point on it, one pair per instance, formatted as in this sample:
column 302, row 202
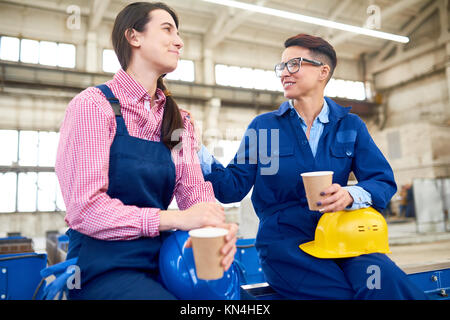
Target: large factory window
column 249, row 78
column 9, row 48
column 46, row 53
column 110, row 62
column 354, row 90
column 235, row 76
column 8, row 181
column 27, row 179
column 29, row 51
column 184, row 71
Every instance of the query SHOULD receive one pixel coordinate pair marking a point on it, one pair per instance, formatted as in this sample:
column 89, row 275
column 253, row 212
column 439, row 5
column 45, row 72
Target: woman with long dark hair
column 125, row 151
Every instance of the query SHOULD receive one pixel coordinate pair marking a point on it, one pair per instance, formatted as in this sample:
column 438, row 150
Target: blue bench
column 20, row 275
column 434, row 280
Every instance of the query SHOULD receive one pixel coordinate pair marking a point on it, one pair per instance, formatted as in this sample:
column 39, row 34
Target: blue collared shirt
column 317, row 126
column 361, row 198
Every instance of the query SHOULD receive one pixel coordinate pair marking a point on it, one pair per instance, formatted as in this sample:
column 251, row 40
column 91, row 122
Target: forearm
column 169, row 219
column 230, row 184
column 107, row 218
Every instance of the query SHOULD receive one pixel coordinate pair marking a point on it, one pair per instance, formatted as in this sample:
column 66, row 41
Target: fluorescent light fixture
column 311, row 20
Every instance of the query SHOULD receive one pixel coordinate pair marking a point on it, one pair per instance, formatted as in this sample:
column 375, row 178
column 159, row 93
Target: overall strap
column 115, row 104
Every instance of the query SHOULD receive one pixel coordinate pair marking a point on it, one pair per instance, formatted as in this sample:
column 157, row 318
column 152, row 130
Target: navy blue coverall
column 272, row 155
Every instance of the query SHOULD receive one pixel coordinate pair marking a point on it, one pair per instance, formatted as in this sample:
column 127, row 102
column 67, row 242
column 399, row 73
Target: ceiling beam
column 444, row 17
column 431, row 46
column 385, row 14
column 214, row 31
column 342, row 5
column 98, row 9
column 217, row 34
column 407, row 30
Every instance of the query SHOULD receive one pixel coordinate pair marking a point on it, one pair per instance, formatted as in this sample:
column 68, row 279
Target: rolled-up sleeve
column 361, row 198
column 206, row 160
column 190, row 186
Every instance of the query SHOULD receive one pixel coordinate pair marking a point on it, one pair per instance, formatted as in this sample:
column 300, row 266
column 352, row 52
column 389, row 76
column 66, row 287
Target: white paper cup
column 315, row 182
column 206, row 245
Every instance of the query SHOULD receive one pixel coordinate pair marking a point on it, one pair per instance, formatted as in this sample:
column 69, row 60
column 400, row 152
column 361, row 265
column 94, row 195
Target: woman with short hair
column 310, row 132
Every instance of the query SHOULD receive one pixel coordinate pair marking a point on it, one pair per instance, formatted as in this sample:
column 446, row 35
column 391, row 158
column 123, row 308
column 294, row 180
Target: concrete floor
column 421, row 253
column 411, row 249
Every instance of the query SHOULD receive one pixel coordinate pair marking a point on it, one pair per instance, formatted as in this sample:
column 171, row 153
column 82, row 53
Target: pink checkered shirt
column 82, row 161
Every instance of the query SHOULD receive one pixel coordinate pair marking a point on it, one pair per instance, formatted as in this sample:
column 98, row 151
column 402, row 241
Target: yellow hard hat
column 345, row 234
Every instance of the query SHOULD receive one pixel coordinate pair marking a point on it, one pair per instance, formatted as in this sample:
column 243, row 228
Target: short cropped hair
column 320, row 49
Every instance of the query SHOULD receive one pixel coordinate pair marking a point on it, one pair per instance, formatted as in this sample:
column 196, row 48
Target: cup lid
column 208, row 232
column 316, row 173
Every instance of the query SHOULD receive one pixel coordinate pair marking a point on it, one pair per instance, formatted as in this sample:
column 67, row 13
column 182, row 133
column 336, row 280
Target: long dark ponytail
column 136, row 16
column 171, row 119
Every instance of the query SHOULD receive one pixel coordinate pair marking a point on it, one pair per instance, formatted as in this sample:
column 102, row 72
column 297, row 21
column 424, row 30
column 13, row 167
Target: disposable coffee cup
column 206, row 245
column 315, row 182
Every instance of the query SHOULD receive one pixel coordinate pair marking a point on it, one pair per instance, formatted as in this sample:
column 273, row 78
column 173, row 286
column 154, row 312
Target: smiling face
column 159, row 45
column 309, row 78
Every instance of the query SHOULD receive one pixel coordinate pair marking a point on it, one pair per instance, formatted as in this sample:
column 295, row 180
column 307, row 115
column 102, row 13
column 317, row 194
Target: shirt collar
column 323, row 115
column 135, row 91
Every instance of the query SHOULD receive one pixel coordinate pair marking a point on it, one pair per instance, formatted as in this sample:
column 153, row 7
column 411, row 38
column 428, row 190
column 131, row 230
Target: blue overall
column 141, row 173
column 279, row 200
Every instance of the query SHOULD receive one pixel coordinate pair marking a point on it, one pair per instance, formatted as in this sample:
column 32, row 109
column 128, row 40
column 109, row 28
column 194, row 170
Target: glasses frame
column 299, row 60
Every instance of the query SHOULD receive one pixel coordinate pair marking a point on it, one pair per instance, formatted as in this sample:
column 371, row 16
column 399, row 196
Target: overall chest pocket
column 343, row 150
column 341, row 161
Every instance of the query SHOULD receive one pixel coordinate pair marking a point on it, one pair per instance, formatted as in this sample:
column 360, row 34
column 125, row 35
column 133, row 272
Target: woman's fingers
column 335, row 206
column 213, row 214
column 201, row 215
column 188, row 243
column 233, row 232
column 216, row 215
column 230, row 239
column 229, row 249
column 331, row 189
column 228, row 259
column 338, row 199
column 331, row 195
